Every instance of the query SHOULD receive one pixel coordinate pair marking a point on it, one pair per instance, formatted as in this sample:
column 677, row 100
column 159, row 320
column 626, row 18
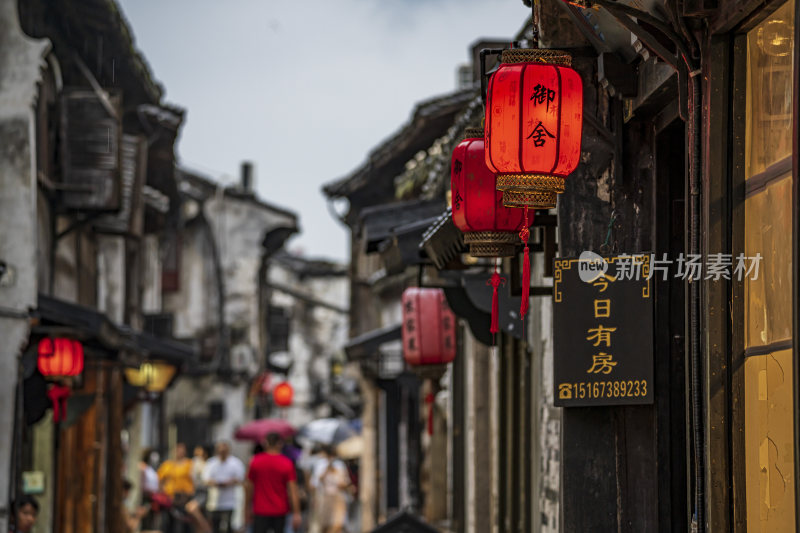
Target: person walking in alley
column 26, row 509
column 330, row 481
column 271, row 485
column 175, row 476
column 223, row 473
column 199, row 462
column 148, row 481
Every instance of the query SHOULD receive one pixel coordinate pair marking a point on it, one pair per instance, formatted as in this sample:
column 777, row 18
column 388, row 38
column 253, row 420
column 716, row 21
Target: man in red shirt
column 271, row 482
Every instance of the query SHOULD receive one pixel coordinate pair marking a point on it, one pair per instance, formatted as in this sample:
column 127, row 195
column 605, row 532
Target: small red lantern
column 489, row 227
column 282, row 394
column 60, row 357
column 429, row 327
column 534, row 122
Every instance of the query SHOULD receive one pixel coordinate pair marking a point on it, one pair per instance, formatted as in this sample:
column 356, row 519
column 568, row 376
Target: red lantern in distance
column 490, row 229
column 429, row 327
column 534, row 122
column 282, row 394
column 60, row 357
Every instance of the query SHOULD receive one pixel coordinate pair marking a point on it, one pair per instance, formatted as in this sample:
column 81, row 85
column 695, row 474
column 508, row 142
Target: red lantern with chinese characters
column 60, row 357
column 429, row 327
column 490, row 229
column 534, row 122
column 282, row 394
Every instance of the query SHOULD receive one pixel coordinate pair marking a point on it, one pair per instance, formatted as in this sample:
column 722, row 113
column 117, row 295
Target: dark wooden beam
column 716, row 295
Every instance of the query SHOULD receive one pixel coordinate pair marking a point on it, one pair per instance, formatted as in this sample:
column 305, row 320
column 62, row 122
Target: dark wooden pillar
column 114, row 469
column 78, row 464
column 623, row 466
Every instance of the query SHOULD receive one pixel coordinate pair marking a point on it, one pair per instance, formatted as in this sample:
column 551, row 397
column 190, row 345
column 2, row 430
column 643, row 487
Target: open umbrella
column 327, row 431
column 257, row 430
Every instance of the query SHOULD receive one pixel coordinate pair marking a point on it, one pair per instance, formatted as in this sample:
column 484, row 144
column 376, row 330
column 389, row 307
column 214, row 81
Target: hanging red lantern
column 282, row 394
column 490, row 229
column 60, row 357
column 429, row 327
column 534, row 122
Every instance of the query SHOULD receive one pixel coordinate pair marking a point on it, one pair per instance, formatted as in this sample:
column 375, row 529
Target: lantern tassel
column 58, row 395
column 495, row 281
column 525, row 234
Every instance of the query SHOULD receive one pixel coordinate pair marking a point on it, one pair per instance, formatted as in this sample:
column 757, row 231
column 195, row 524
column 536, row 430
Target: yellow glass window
column 769, row 415
column 768, row 231
column 769, row 443
column 769, row 91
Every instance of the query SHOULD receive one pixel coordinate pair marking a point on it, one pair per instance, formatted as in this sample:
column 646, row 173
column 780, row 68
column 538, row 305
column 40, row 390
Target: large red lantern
column 429, row 327
column 282, row 394
column 60, row 357
column 490, row 229
column 534, row 121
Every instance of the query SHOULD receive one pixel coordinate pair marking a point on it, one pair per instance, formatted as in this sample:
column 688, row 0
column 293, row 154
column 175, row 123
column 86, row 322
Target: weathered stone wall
column 239, row 227
column 195, row 304
column 21, row 62
column 234, row 228
column 317, row 333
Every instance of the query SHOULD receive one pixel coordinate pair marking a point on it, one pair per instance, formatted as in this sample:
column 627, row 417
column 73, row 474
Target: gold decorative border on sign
column 646, row 274
column 566, row 264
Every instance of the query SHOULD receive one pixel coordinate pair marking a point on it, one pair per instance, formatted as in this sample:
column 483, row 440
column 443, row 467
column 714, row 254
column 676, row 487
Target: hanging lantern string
column 525, row 235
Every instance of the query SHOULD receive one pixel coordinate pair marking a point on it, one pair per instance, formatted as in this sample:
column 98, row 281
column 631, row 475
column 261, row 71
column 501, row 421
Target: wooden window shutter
column 278, row 328
column 90, row 151
column 171, row 264
column 129, row 219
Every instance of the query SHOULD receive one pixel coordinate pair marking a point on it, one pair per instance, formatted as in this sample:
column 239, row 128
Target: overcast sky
column 305, row 88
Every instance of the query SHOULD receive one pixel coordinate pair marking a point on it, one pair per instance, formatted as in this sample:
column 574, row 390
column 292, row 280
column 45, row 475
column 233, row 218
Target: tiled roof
column 429, row 121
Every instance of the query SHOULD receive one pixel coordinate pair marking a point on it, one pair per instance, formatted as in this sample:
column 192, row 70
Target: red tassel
column 58, row 395
column 429, row 399
column 525, row 235
column 495, row 281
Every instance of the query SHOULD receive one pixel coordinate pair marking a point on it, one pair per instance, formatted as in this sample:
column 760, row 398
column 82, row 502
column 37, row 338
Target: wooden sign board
column 603, row 330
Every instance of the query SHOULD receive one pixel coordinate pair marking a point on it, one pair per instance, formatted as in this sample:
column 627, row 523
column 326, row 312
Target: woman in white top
column 330, row 481
column 148, row 481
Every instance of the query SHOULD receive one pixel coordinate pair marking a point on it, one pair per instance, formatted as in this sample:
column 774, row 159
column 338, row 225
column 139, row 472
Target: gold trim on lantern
column 532, row 199
column 536, row 55
column 473, row 133
column 530, row 182
column 491, row 243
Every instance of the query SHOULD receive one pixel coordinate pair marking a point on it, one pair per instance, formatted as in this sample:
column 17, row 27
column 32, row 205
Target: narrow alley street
column 456, row 266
